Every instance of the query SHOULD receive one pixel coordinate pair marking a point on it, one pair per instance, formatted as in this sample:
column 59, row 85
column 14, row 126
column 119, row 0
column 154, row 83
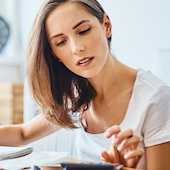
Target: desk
column 59, row 168
column 74, row 160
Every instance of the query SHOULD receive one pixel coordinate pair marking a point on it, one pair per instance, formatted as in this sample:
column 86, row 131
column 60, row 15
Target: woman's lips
column 85, row 61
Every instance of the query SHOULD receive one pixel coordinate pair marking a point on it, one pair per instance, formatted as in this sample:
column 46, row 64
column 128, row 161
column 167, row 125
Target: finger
column 112, row 131
column 137, row 154
column 131, row 142
column 122, row 136
column 111, row 156
column 105, row 157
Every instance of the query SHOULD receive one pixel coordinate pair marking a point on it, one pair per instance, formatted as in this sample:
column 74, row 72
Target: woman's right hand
column 123, row 149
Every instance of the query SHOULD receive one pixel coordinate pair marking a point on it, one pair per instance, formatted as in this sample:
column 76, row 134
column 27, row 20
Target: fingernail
column 107, row 134
column 120, row 147
column 126, row 156
column 115, row 141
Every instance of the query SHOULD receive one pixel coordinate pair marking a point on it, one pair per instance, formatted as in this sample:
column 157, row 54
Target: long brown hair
column 59, row 92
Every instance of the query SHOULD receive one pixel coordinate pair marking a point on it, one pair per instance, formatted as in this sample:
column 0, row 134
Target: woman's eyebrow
column 81, row 22
column 54, row 36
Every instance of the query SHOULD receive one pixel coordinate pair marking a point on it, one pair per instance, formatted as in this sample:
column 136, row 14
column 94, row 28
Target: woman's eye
column 61, row 42
column 83, row 32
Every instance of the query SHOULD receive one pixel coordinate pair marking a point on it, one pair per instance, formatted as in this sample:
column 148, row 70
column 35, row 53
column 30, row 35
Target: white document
column 33, row 159
column 14, row 152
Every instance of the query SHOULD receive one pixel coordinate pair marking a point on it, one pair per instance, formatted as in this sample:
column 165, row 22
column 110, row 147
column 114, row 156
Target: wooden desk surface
column 74, row 160
column 59, row 168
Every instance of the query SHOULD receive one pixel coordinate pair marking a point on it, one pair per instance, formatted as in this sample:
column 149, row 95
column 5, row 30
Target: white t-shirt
column 148, row 115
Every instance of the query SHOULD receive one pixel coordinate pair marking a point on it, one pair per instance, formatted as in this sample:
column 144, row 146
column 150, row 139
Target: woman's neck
column 114, row 86
column 114, row 78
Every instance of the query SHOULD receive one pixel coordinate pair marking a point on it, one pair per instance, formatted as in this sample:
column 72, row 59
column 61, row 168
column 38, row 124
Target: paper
column 33, row 159
column 14, row 152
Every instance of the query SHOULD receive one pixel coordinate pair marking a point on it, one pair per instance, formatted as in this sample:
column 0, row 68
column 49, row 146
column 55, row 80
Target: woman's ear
column 56, row 56
column 108, row 25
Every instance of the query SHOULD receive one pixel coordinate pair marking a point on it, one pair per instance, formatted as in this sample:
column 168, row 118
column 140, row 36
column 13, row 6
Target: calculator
column 90, row 166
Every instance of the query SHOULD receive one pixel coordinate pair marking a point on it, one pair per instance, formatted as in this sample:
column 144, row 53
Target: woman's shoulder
column 147, row 82
column 149, row 79
column 149, row 89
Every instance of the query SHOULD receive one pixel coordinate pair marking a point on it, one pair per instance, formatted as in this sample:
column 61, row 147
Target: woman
column 79, row 84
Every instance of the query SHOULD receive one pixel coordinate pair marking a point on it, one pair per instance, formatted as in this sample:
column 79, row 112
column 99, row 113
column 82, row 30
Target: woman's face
column 78, row 39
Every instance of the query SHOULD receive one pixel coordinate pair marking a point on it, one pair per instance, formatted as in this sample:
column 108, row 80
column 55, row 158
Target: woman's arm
column 21, row 134
column 158, row 157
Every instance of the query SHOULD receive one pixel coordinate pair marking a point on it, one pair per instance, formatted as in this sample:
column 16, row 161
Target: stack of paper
column 10, row 152
column 32, row 159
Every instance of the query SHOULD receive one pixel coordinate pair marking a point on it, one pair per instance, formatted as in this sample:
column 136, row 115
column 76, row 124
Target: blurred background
column 140, row 39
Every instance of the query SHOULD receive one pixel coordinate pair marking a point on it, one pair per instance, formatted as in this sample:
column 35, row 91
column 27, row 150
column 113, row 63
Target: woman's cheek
column 62, row 53
column 97, row 42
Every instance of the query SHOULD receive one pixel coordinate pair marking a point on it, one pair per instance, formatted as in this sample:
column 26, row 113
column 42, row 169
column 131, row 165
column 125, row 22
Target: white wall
column 140, row 29
column 27, row 10
column 11, row 58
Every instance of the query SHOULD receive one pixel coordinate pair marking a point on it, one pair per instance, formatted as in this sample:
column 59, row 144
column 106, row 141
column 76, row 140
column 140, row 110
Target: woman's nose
column 77, row 47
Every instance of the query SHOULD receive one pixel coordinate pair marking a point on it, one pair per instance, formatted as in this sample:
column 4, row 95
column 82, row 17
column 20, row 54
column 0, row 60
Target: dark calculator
column 90, row 166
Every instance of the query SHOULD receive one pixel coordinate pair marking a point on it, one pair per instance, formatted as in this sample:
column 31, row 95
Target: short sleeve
column 156, row 127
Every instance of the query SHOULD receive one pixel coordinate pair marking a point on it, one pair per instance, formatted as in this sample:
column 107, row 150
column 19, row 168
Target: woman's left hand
column 123, row 149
